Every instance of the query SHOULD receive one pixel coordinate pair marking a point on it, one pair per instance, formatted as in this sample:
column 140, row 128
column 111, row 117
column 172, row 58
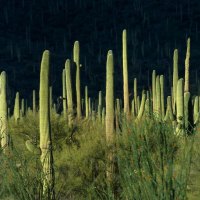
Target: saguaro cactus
column 34, row 102
column 45, row 130
column 109, row 112
column 154, row 91
column 3, row 113
column 78, row 90
column 86, row 103
column 69, row 93
column 180, row 107
column 64, row 94
column 175, row 78
column 187, row 65
column 17, row 108
column 125, row 73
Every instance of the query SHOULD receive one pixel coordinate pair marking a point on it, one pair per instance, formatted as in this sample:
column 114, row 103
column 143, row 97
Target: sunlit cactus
column 196, row 110
column 125, row 73
column 86, row 103
column 186, row 109
column 17, row 108
column 142, row 107
column 45, row 129
column 109, row 113
column 187, row 65
column 154, row 90
column 175, row 78
column 4, row 137
column 22, row 110
column 99, row 105
column 69, row 93
column 180, row 107
column 135, row 95
column 78, row 90
column 158, row 98
column 34, row 102
column 64, row 95
column 162, row 98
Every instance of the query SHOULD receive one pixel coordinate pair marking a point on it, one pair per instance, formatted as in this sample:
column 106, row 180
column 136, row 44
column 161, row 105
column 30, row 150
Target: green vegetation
column 101, row 150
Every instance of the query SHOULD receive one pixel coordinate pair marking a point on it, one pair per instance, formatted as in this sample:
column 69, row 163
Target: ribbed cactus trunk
column 175, row 78
column 135, row 95
column 109, row 115
column 3, row 113
column 99, row 106
column 22, row 108
column 86, row 103
column 180, row 107
column 34, row 102
column 69, row 93
column 158, row 98
column 162, row 96
column 17, row 108
column 125, row 73
column 64, row 95
column 187, row 65
column 154, row 91
column 45, row 129
column 78, row 90
column 51, row 97
column 142, row 107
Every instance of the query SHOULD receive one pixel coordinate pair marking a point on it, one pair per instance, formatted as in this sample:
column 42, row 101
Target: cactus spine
column 69, row 93
column 45, row 130
column 125, row 73
column 78, row 92
column 3, row 113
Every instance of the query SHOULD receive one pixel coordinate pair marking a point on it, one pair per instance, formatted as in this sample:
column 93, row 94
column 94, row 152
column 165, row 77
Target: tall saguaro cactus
column 17, row 108
column 180, row 107
column 187, row 65
column 125, row 73
column 45, row 129
column 109, row 112
column 34, row 102
column 3, row 113
column 175, row 78
column 64, row 94
column 69, row 93
column 78, row 90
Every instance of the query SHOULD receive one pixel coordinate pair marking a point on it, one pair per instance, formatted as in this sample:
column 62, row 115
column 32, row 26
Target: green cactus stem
column 17, row 108
column 109, row 114
column 78, row 90
column 64, row 95
column 4, row 137
column 180, row 108
column 69, row 93
column 175, row 78
column 187, row 65
column 125, row 73
column 45, row 130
